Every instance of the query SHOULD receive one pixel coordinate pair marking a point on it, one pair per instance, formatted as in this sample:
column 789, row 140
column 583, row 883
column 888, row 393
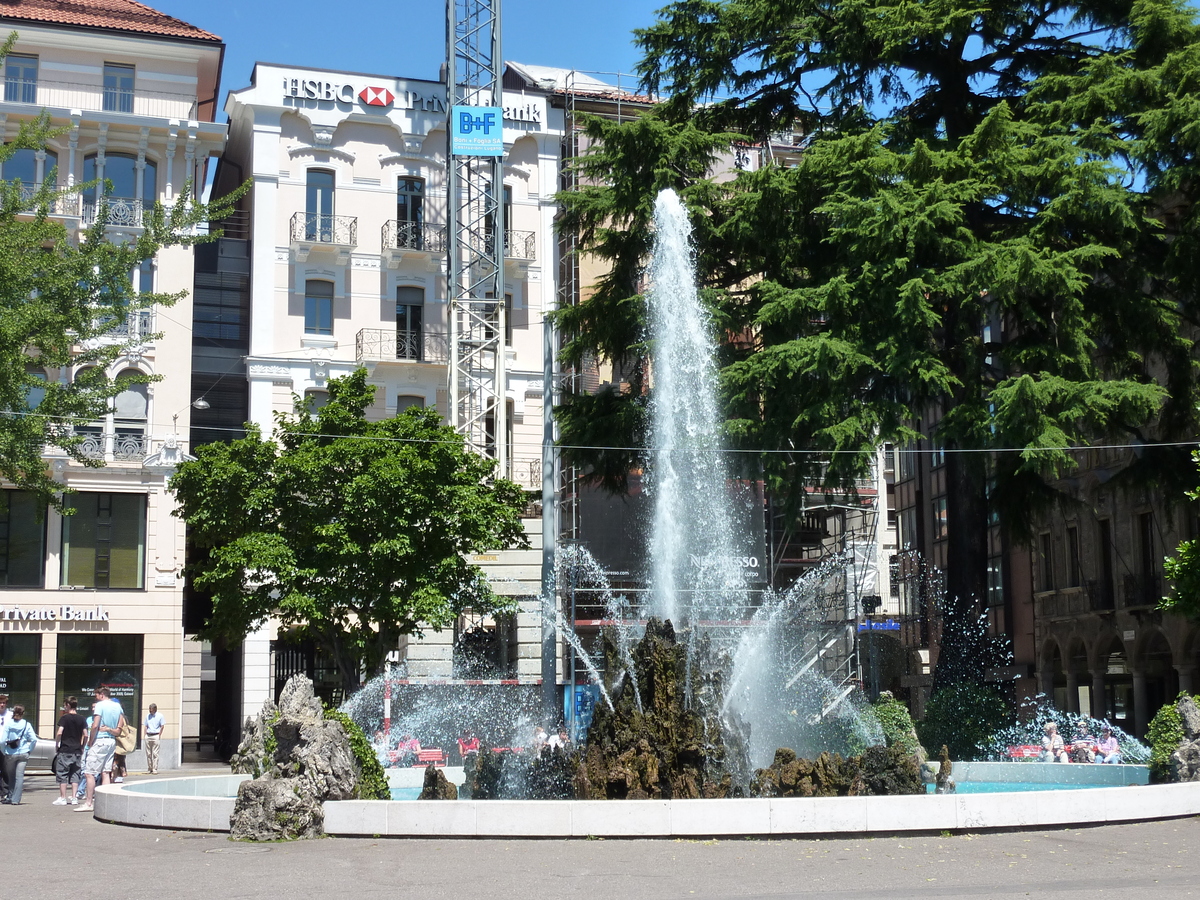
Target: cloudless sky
column 408, row 38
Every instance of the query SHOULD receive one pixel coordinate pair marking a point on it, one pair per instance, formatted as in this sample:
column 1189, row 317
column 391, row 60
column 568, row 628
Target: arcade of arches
column 1124, row 677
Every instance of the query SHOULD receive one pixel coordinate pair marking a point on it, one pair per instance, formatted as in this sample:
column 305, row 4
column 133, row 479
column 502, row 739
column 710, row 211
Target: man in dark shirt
column 70, row 738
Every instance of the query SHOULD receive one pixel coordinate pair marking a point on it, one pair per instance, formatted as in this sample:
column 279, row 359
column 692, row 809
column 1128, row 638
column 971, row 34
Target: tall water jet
column 692, row 538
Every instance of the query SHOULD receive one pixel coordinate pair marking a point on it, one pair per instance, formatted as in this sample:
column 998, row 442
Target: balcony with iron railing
column 49, row 94
column 114, row 212
column 411, row 240
column 314, row 232
column 526, row 472
column 64, row 205
column 520, row 246
column 381, row 345
column 137, row 325
column 122, row 445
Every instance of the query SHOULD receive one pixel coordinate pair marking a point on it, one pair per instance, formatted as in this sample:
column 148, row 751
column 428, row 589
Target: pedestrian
column 16, row 742
column 5, row 717
column 81, row 791
column 68, row 761
column 107, row 722
column 126, row 744
column 153, row 726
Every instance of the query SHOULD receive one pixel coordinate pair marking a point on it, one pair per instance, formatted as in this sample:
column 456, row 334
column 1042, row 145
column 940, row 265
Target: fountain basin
column 194, row 803
column 200, row 803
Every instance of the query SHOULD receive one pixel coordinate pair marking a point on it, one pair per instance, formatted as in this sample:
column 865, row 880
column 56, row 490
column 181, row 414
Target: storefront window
column 20, row 656
column 86, row 661
column 22, row 539
column 104, row 541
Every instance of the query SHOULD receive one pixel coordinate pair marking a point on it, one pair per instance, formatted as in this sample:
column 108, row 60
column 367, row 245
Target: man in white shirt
column 153, row 727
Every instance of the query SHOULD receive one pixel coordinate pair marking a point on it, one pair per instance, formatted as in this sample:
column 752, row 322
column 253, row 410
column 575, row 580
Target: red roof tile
column 116, row 15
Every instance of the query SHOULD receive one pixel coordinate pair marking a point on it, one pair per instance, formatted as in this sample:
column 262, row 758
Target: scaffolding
column 475, row 232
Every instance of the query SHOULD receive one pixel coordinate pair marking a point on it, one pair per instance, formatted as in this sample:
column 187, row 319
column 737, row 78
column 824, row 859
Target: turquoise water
column 1003, row 787
column 409, row 793
column 412, row 793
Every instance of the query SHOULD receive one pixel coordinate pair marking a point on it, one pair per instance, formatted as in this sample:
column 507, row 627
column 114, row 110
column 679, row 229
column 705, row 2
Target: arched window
column 91, row 432
column 120, row 174
column 130, row 411
column 315, row 400
column 405, row 401
column 34, row 395
column 23, row 165
column 318, row 307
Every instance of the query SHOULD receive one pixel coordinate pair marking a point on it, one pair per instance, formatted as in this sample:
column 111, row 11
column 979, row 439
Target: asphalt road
column 37, row 840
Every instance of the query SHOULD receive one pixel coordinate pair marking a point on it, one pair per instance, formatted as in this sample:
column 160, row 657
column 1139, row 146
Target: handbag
column 14, row 743
column 126, row 739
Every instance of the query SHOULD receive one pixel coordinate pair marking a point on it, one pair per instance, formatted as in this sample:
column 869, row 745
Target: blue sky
column 408, row 39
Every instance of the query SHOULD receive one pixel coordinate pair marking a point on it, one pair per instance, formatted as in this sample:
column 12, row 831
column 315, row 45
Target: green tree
column 1183, row 572
column 992, row 224
column 58, row 299
column 354, row 532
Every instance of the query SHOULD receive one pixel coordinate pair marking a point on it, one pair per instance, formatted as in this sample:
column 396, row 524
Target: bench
column 1025, row 751
column 432, row 757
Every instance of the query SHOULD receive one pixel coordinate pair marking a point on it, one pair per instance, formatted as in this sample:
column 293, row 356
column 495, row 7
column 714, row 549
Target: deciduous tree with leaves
column 353, row 532
column 992, row 224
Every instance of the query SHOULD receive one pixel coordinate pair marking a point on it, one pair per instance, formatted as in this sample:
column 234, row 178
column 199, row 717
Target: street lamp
column 198, row 403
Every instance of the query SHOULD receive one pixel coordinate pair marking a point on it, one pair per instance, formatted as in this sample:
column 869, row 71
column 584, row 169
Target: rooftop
column 110, row 15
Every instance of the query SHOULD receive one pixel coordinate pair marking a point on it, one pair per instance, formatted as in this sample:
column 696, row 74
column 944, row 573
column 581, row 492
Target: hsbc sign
column 348, row 93
column 376, row 96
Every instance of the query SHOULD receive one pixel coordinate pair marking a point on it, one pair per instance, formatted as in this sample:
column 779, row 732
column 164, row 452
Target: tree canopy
column 60, row 302
column 991, row 223
column 352, row 532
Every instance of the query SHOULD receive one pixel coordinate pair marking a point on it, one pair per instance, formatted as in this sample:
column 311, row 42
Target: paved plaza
column 1116, row 860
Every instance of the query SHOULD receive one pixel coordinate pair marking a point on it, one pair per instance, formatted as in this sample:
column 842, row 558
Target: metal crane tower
column 476, row 226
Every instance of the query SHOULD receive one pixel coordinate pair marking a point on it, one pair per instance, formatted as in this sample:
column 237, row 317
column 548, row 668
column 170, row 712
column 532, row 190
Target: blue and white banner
column 477, row 131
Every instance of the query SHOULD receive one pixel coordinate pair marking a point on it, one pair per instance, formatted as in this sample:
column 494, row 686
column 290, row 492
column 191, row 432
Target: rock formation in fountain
column 1185, row 761
column 879, row 770
column 299, row 760
column 945, row 778
column 662, row 739
column 436, row 787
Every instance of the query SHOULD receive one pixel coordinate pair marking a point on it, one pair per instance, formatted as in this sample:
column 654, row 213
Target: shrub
column 897, row 724
column 963, row 716
column 1164, row 735
column 372, row 780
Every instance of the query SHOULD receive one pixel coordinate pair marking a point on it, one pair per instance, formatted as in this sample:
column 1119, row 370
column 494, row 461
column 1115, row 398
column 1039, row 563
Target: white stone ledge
column 204, row 809
column 202, row 803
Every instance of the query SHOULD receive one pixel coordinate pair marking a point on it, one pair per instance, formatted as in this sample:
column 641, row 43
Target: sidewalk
column 1079, row 864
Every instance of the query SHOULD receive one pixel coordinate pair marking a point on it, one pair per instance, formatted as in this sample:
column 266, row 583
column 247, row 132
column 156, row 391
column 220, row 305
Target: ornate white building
column 347, row 251
column 97, row 597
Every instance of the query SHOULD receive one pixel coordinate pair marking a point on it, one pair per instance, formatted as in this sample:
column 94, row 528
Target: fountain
column 699, row 687
column 701, row 682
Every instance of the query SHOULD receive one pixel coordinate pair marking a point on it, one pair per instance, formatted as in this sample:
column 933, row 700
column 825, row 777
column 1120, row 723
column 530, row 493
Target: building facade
column 346, row 248
column 1096, row 577
column 96, row 598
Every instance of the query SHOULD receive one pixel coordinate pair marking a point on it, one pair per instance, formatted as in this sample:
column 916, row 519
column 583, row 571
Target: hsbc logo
column 309, row 91
column 376, row 96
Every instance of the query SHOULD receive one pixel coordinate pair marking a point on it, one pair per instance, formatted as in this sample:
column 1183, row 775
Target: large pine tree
column 992, row 223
